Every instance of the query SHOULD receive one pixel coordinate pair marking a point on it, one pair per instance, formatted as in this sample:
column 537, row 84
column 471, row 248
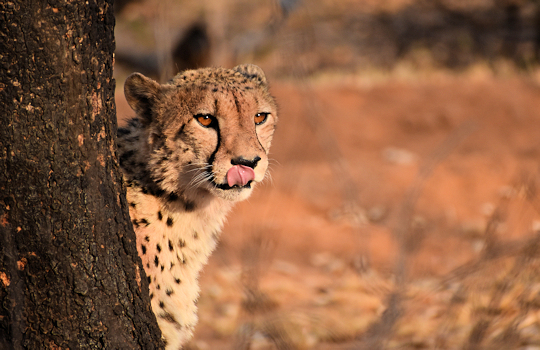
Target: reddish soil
column 423, row 188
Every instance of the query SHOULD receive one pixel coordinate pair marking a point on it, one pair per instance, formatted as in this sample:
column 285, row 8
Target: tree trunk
column 70, row 276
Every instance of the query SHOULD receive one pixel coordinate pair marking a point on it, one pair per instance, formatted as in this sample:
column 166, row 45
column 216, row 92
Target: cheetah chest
column 174, row 246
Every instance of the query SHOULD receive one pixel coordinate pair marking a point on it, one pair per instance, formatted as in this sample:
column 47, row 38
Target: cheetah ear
column 251, row 71
column 141, row 94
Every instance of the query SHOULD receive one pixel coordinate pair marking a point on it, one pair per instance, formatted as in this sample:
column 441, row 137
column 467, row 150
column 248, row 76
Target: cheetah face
column 207, row 131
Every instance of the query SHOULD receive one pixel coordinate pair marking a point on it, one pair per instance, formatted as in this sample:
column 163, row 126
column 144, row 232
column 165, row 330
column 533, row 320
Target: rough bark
column 70, row 276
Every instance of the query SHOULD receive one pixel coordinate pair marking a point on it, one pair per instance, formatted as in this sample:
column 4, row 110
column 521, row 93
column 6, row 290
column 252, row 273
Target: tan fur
column 176, row 172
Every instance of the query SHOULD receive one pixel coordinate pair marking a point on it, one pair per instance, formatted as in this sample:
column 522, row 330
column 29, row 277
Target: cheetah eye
column 260, row 118
column 205, row 120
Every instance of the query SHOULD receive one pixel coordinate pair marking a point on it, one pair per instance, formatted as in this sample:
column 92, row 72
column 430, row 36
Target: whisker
column 273, row 161
column 203, row 179
column 198, row 177
column 197, row 169
column 268, row 178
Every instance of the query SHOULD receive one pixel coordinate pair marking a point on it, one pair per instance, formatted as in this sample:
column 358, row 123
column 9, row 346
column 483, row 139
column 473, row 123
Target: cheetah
column 197, row 145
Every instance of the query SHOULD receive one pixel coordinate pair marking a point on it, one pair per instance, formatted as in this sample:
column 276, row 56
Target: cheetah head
column 207, row 132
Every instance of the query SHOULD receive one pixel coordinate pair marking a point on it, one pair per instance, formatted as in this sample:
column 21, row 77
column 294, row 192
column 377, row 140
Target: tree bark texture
column 70, row 276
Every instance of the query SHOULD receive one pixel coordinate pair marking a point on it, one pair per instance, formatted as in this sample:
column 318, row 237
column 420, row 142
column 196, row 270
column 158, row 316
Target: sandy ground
column 401, row 213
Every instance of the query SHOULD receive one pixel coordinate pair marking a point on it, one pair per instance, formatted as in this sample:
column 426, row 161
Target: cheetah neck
column 174, row 245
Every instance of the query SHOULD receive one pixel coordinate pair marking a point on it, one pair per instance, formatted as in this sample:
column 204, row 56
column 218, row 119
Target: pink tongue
column 240, row 175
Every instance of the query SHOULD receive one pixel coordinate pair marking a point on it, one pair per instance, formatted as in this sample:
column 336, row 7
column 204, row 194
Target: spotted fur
column 176, row 173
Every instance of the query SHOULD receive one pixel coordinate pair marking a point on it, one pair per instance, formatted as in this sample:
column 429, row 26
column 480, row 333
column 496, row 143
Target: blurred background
column 402, row 209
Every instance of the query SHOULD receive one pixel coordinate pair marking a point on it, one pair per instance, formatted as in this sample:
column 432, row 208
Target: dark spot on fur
column 158, row 287
column 144, row 190
column 149, row 278
column 170, row 318
column 172, row 264
column 182, row 243
column 123, row 131
column 189, row 205
column 146, row 238
column 179, row 133
column 169, row 292
column 171, row 197
column 177, row 280
column 134, row 122
column 135, row 223
column 143, row 247
column 156, row 191
column 158, row 247
column 159, row 215
column 214, row 89
column 195, row 235
column 132, row 204
column 162, row 267
column 151, row 296
column 170, row 246
column 145, row 222
column 161, row 304
column 169, row 221
column 147, row 265
column 156, row 261
column 182, row 259
column 124, row 157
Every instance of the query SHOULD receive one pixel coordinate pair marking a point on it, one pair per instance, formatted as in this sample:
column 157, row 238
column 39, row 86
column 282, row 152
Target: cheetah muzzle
column 198, row 144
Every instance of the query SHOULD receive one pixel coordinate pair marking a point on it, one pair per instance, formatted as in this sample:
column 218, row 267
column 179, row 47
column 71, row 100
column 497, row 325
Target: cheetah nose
column 240, row 175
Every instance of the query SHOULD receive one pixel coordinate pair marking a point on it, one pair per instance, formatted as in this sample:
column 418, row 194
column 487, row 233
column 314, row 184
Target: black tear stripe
column 213, row 155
